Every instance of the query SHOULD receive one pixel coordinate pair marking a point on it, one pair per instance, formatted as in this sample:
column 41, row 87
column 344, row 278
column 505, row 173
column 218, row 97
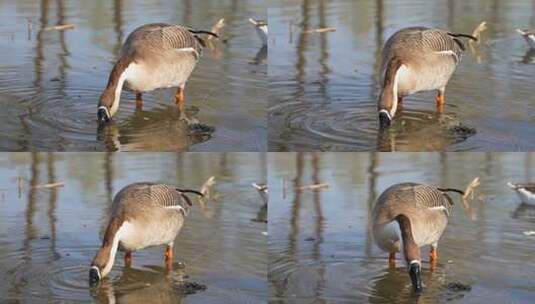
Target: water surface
column 321, row 249
column 323, row 86
column 50, row 81
column 48, row 237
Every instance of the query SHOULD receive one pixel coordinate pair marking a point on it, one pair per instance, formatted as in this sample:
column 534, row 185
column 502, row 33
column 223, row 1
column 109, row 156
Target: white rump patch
column 452, row 53
column 440, row 208
column 189, row 50
column 179, row 208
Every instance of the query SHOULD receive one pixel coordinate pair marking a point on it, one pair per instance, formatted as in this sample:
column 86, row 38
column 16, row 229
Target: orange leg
column 179, row 96
column 440, row 100
column 433, row 258
column 128, row 259
column 169, row 257
column 392, row 259
column 139, row 101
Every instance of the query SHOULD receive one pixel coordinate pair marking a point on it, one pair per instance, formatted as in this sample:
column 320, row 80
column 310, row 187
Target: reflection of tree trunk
column 302, row 45
column 324, row 53
column 316, row 250
column 39, row 56
column 52, row 201
column 108, row 169
column 118, row 25
column 186, row 17
column 63, row 66
column 294, row 221
column 30, row 209
column 372, row 175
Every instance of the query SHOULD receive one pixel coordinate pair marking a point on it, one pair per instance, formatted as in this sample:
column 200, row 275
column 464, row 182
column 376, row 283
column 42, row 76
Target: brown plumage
column 142, row 215
column 416, row 59
column 154, row 56
column 421, row 212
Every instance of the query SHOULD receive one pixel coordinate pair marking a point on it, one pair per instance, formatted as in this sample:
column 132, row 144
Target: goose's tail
column 456, row 35
column 183, row 193
column 451, row 190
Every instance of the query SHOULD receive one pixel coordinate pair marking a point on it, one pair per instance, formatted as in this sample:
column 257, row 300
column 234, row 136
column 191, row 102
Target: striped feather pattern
column 155, row 195
column 430, row 197
column 161, row 37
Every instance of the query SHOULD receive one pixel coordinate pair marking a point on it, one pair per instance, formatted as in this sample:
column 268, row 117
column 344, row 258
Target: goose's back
column 160, row 37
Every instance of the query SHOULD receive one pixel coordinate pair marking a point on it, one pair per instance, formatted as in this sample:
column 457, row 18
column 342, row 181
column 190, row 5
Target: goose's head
column 101, row 265
column 107, row 106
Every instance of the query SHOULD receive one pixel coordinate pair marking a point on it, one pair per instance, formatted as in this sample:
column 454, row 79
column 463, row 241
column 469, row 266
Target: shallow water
column 323, row 87
column 50, row 81
column 48, row 236
column 321, row 251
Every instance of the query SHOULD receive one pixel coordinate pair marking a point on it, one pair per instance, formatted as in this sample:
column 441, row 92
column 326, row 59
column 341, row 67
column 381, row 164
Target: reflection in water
column 50, row 103
column 325, row 252
column 53, row 232
column 323, row 86
column 149, row 130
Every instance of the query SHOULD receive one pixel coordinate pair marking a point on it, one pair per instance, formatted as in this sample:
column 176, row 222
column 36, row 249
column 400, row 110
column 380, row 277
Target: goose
column 261, row 28
column 529, row 35
column 416, row 59
column 142, row 215
column 526, row 191
column 154, row 56
column 408, row 216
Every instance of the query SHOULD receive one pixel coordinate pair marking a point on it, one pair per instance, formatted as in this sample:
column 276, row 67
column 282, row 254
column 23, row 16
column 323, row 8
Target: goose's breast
column 148, row 232
column 169, row 69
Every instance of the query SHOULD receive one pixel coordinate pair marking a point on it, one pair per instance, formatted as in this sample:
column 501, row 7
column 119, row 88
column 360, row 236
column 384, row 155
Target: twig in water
column 49, row 185
column 314, row 186
column 321, row 30
column 470, row 188
column 262, row 190
column 217, row 28
column 60, row 27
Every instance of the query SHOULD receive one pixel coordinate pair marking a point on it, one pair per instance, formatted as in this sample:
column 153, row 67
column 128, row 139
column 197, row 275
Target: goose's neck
column 116, row 81
column 389, row 97
column 110, row 245
column 410, row 248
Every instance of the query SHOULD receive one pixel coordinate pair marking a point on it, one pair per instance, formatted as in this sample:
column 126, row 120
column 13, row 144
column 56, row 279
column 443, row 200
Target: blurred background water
column 323, row 86
column 321, row 249
column 50, row 81
column 48, row 236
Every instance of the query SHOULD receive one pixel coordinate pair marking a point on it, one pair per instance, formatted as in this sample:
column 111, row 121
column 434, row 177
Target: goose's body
column 526, row 191
column 416, row 59
column 142, row 215
column 154, row 56
column 408, row 216
column 529, row 35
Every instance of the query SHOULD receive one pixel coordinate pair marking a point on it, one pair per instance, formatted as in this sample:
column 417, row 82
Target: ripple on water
column 351, row 126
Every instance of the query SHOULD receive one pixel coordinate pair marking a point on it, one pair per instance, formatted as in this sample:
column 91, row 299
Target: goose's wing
column 155, row 195
column 161, row 37
column 430, row 197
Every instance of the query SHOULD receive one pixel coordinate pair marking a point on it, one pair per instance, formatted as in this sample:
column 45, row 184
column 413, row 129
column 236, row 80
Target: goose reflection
column 422, row 130
column 154, row 285
column 158, row 129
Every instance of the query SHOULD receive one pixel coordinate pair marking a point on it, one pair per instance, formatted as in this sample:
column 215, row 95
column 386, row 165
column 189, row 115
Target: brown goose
column 408, row 216
column 416, row 59
column 143, row 214
column 153, row 56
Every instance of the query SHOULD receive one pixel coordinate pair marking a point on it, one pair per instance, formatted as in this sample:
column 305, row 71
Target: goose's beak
column 384, row 119
column 414, row 272
column 103, row 115
column 94, row 276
